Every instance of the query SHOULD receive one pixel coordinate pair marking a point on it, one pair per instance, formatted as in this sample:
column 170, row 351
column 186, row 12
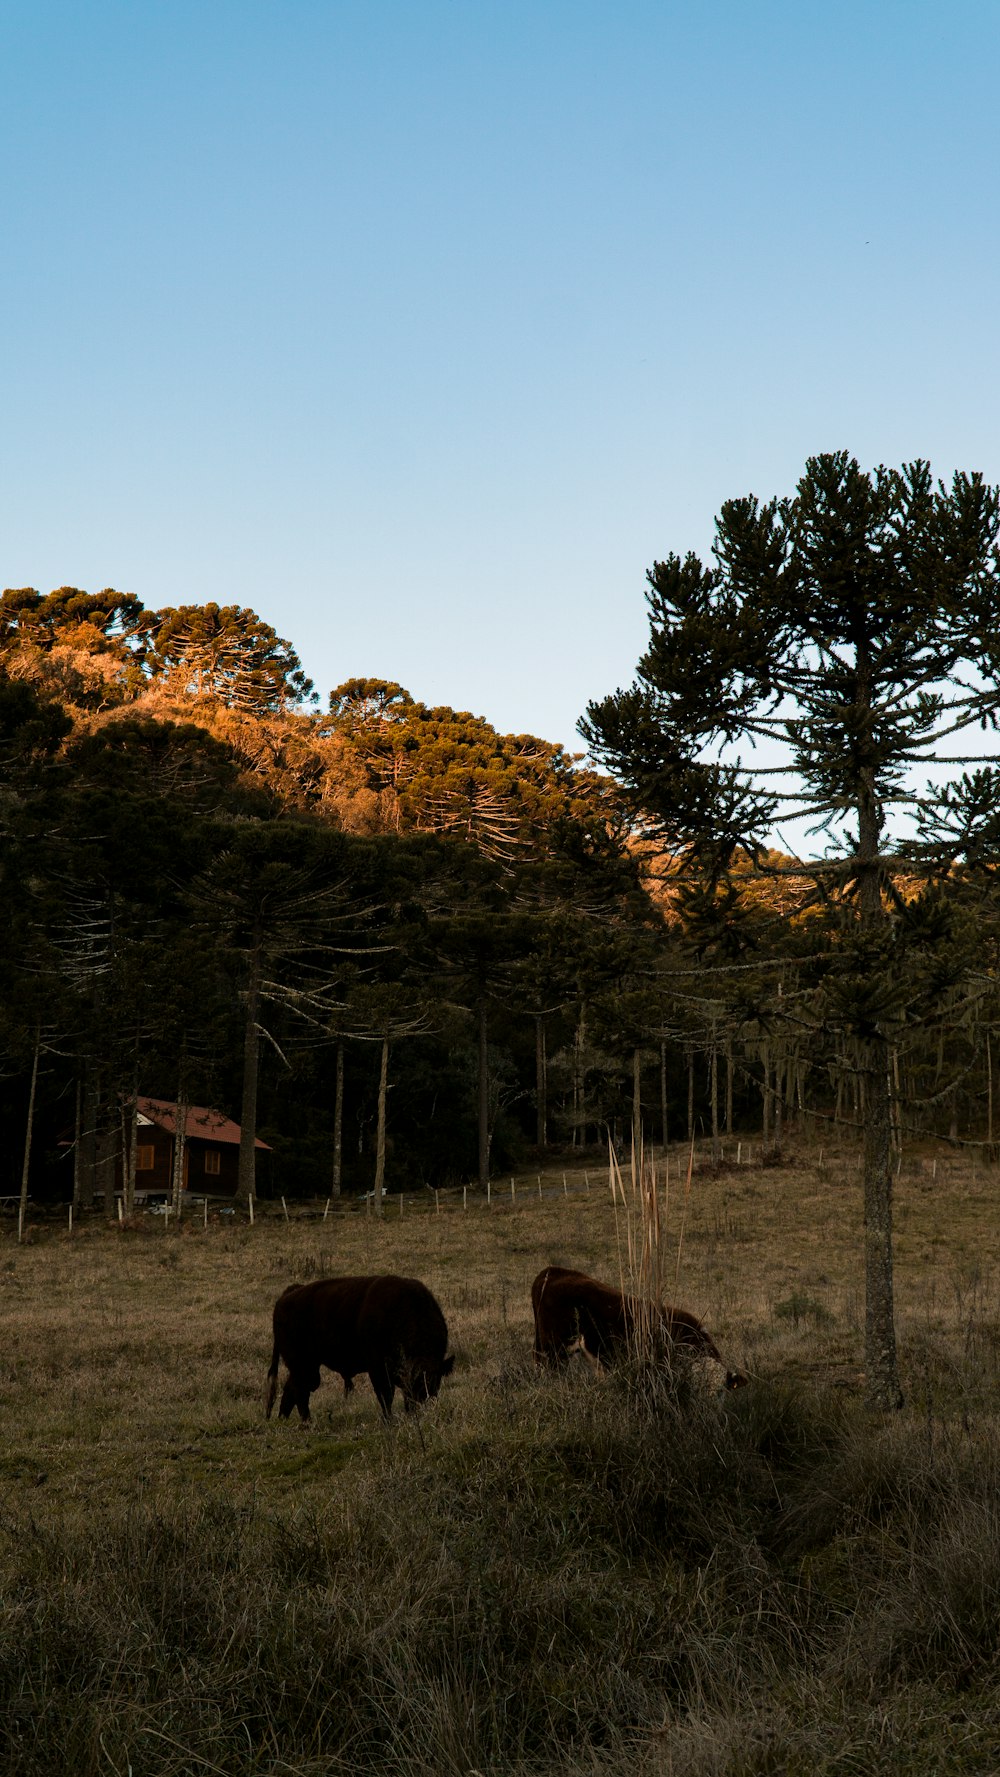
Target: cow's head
column 421, row 1382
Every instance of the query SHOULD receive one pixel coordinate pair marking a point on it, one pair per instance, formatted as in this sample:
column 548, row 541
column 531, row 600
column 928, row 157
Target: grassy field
column 537, row 1574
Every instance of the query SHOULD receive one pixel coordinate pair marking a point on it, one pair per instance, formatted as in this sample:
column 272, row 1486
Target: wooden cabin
column 211, row 1151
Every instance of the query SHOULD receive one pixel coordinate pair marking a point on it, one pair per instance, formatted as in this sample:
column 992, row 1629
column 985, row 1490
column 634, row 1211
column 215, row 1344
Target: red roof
column 201, row 1123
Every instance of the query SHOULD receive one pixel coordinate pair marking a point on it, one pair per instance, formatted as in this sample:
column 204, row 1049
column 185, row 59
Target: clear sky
column 425, row 326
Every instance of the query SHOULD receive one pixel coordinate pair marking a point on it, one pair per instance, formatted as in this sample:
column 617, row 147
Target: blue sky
column 425, row 326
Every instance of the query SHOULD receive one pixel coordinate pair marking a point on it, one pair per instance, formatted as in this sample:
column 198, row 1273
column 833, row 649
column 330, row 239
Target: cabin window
column 212, row 1161
column 144, row 1158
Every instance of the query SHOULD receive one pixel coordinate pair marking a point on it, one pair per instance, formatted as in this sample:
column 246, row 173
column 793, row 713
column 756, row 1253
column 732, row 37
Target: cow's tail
column 271, row 1385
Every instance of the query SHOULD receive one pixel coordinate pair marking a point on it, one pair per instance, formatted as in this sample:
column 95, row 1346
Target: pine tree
column 848, row 631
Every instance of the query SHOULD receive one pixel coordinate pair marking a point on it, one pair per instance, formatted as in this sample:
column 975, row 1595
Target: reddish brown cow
column 574, row 1312
column 389, row 1327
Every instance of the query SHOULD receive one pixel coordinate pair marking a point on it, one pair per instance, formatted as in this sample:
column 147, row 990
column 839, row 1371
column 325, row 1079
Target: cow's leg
column 295, row 1393
column 384, row 1386
column 579, row 1345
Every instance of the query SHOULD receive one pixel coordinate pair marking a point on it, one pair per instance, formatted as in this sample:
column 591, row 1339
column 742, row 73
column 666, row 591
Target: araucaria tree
column 845, row 635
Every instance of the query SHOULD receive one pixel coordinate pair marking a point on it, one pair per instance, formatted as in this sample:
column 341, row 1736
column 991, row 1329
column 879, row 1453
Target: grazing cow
column 574, row 1312
column 390, row 1327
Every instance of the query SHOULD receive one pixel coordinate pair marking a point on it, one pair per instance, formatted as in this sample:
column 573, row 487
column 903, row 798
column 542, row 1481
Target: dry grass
column 533, row 1576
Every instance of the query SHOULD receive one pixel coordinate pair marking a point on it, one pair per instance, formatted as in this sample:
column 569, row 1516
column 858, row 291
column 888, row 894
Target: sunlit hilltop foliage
column 170, row 786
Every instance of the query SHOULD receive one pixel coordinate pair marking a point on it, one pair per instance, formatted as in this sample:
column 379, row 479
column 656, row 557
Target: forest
column 405, row 950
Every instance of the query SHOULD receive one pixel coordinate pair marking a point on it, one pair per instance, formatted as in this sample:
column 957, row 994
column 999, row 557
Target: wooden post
column 400, row 1205
column 71, row 1218
column 465, row 1196
column 284, row 1206
column 512, row 1190
column 327, row 1209
column 250, row 1202
column 204, row 1217
column 437, row 1204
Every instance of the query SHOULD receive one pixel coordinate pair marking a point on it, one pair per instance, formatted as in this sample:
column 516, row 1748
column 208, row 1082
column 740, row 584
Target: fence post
column 488, row 1193
column 71, row 1218
column 400, row 1205
column 437, row 1204
column 539, row 1184
column 327, row 1209
column 512, row 1190
column 565, row 1192
column 284, row 1206
column 204, row 1219
column 250, row 1201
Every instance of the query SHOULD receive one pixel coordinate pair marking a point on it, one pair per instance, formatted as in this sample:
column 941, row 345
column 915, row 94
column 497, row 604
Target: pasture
column 538, row 1574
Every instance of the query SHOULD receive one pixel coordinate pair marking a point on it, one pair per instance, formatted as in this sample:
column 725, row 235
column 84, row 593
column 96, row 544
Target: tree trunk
column 130, row 1137
column 779, row 1106
column 383, row 1089
column 714, row 1087
column 729, row 1086
column 180, row 1147
column 663, row 1095
column 22, row 1209
column 338, row 1124
column 636, row 1110
column 86, row 1169
column 484, row 1096
column 690, row 1095
column 77, row 1127
column 766, row 1129
column 881, row 1366
column 541, row 1082
column 107, row 1141
column 989, row 1094
column 882, row 1378
column 247, row 1170
column 581, row 1031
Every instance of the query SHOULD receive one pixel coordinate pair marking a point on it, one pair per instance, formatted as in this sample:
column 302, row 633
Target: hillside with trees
column 404, row 949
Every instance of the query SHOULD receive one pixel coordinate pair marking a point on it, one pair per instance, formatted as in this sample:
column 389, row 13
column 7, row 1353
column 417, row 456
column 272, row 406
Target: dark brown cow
column 390, row 1327
column 574, row 1312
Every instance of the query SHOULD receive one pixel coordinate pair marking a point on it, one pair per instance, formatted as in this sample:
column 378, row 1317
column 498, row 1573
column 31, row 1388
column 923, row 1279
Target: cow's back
column 399, row 1315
